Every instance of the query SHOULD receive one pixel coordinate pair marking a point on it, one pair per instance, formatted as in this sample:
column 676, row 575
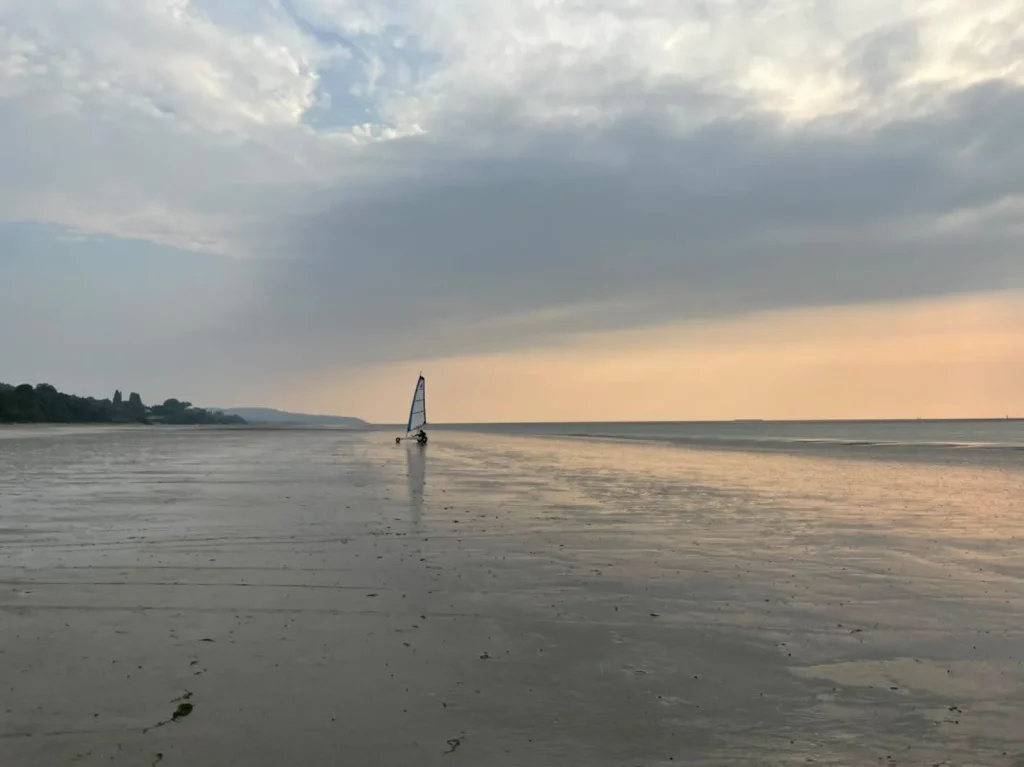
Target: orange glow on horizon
column 961, row 356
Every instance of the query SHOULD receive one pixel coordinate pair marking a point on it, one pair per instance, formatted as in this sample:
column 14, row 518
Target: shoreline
column 1005, row 455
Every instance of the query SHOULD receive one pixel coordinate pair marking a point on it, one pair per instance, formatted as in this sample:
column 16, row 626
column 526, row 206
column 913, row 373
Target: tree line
column 42, row 403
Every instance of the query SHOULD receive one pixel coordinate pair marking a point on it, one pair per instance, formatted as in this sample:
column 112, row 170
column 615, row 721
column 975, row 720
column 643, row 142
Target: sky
column 554, row 209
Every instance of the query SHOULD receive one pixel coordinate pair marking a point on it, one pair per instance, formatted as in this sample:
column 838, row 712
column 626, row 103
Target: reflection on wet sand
column 554, row 602
column 416, row 468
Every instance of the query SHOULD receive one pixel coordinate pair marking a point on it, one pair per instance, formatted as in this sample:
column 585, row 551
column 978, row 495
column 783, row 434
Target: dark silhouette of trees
column 44, row 404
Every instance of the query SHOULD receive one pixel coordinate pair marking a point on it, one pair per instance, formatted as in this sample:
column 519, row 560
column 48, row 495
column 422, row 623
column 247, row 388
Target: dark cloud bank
column 636, row 224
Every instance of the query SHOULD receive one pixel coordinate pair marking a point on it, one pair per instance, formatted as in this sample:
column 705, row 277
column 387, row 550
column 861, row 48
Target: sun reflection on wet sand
column 542, row 601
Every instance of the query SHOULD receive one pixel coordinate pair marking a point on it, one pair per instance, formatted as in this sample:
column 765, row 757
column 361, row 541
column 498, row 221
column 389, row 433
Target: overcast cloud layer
column 348, row 181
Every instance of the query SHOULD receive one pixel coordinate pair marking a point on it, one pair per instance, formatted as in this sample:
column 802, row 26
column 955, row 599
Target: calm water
column 1001, row 441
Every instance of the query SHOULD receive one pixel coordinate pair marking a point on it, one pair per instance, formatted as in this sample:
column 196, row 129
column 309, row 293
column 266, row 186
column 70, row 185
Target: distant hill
column 270, row 415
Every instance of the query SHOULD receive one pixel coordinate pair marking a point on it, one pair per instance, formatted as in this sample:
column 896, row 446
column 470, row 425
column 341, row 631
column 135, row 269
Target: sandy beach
column 205, row 597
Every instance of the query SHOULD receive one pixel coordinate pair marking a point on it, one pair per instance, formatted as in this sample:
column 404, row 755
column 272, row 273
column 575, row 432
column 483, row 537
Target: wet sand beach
column 322, row 597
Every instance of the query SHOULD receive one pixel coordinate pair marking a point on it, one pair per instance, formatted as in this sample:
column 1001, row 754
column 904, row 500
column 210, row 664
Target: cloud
column 404, row 179
column 740, row 216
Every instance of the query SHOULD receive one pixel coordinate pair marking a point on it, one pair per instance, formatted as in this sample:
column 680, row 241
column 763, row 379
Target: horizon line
column 968, row 419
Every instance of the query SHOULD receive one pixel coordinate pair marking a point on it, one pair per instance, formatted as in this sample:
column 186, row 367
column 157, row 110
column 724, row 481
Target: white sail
column 418, row 411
